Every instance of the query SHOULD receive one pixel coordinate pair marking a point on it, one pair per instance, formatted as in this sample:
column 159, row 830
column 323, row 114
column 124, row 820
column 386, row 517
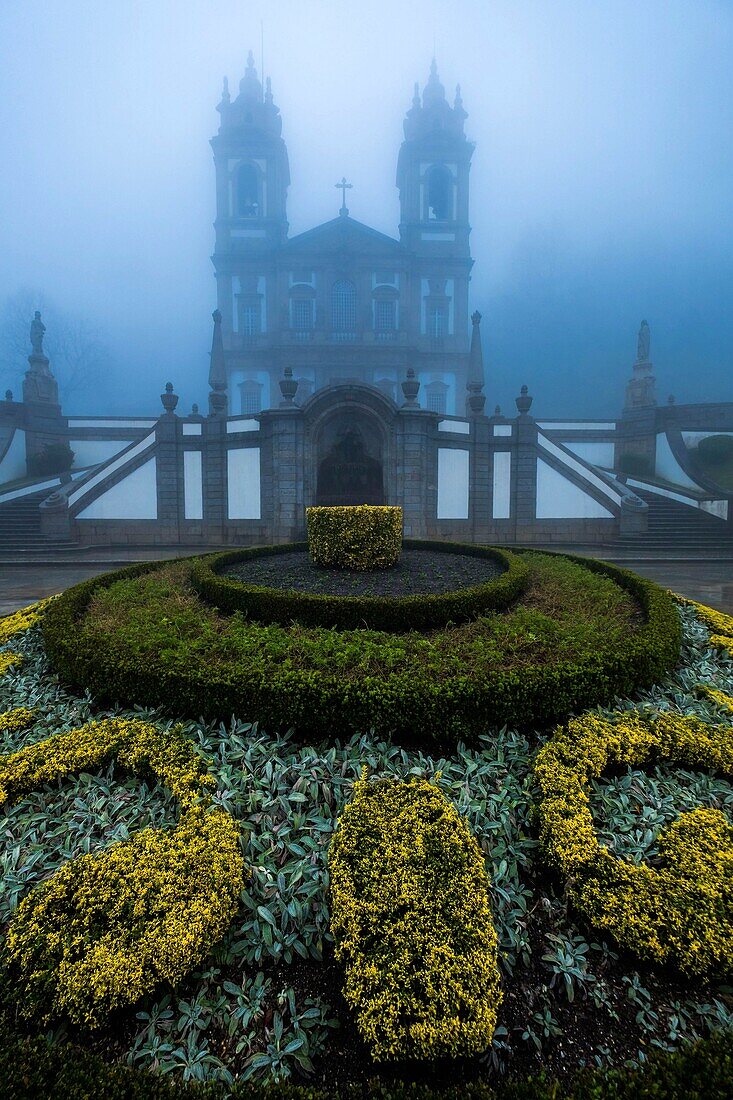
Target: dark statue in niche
column 348, row 474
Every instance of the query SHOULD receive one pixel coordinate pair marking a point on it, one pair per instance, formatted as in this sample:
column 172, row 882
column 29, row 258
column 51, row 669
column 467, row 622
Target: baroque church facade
column 345, row 369
column 343, row 303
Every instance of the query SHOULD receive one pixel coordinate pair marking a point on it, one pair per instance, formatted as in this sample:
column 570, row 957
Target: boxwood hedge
column 410, row 703
column 401, row 613
column 32, row 1068
column 362, row 536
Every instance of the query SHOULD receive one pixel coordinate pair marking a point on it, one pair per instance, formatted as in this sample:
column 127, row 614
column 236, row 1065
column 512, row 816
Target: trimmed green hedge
column 394, row 614
column 36, row 1068
column 411, row 703
column 364, row 536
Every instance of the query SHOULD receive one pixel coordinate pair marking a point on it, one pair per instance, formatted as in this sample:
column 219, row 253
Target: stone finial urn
column 169, row 399
column 410, row 388
column 524, row 401
column 288, row 388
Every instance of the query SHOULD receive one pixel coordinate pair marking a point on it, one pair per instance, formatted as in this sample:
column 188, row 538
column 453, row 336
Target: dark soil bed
column 418, row 572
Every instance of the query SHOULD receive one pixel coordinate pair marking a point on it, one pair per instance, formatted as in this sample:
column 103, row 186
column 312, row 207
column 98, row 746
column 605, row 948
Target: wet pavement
column 708, row 581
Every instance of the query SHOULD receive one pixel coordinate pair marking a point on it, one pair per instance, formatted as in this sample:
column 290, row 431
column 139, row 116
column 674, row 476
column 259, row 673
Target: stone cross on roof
column 344, row 188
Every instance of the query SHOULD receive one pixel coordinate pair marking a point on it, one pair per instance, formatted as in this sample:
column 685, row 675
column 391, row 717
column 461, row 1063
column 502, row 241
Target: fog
column 600, row 187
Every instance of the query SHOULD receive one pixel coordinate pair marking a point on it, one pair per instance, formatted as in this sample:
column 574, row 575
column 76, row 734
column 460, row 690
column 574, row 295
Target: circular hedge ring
column 679, row 912
column 405, row 696
column 389, row 613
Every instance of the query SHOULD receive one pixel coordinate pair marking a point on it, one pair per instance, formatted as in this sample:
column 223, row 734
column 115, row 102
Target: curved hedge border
column 680, row 912
column 403, row 705
column 36, row 1067
column 396, row 614
column 110, row 927
column 411, row 921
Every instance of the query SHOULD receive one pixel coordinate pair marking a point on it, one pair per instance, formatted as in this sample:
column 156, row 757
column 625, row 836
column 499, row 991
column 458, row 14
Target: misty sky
column 601, row 184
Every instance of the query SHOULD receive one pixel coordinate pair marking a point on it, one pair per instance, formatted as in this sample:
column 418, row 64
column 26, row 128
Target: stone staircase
column 20, row 529
column 676, row 529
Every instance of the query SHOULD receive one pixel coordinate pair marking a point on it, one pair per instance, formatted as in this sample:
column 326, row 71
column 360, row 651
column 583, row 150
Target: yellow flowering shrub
column 21, row 620
column 678, row 912
column 13, row 720
column 363, row 537
column 412, row 924
column 108, row 928
column 719, row 624
column 9, row 660
column 725, row 702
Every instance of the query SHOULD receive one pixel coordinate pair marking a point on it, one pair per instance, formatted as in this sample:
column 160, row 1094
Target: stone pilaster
column 417, row 469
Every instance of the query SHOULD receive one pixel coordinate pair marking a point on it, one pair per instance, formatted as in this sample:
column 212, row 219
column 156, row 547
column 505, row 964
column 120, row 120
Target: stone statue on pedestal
column 37, row 331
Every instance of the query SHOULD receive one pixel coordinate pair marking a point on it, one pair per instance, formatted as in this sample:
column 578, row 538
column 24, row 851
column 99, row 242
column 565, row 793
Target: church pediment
column 344, row 234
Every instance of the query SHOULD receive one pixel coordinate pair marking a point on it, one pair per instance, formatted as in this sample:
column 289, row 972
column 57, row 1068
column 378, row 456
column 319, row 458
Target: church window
column 384, row 315
column 306, row 388
column 436, row 321
column 250, row 319
column 387, row 386
column 436, row 394
column 436, row 402
column 248, row 186
column 302, row 314
column 251, row 398
column 440, row 193
column 343, row 307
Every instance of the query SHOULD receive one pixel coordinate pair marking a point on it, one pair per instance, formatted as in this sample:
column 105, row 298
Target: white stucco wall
column 600, row 454
column 243, row 483
column 667, row 466
column 502, row 486
column 89, row 452
column 452, row 483
column 559, row 498
column 13, row 465
column 135, row 497
column 193, row 493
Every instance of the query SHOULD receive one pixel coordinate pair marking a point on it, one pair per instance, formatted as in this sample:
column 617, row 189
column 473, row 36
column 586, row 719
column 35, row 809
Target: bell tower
column 432, row 177
column 252, row 173
column 432, row 170
column 252, row 179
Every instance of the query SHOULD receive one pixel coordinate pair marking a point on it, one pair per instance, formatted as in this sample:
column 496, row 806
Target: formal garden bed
column 194, row 890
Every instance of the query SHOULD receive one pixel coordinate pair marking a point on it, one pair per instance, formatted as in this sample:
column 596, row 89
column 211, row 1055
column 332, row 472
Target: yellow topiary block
column 363, row 537
column 411, row 920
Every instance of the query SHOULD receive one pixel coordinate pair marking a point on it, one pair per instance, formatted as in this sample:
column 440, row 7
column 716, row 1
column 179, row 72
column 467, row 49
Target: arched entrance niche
column 351, row 446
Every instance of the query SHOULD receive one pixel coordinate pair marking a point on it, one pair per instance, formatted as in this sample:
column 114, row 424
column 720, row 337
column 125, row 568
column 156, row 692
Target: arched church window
column 343, row 307
column 301, row 314
column 437, row 397
column 248, row 192
column 388, row 387
column 384, row 315
column 251, row 397
column 250, row 319
column 436, row 321
column 440, row 193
